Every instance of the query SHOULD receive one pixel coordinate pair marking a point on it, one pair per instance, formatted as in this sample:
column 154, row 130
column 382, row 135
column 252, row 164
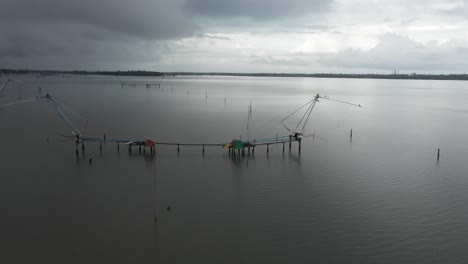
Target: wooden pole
column 438, row 154
column 154, row 191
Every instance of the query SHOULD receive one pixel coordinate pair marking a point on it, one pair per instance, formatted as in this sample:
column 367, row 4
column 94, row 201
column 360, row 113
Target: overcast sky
column 429, row 36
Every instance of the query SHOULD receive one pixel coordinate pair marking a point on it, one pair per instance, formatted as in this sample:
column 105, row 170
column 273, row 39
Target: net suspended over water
column 295, row 135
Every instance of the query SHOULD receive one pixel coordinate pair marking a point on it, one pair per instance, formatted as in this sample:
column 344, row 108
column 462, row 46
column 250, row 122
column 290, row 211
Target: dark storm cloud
column 256, row 9
column 86, row 33
column 144, row 18
column 78, row 33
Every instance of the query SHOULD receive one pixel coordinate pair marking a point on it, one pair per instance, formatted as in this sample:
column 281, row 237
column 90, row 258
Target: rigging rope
column 75, row 131
column 310, row 112
column 4, row 86
column 24, row 101
column 343, row 102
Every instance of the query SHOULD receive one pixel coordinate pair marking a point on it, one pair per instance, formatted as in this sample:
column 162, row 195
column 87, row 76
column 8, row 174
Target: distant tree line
column 112, row 73
column 412, row 76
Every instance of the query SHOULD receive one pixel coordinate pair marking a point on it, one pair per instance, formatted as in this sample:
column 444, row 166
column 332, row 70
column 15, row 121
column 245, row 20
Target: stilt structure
column 296, row 134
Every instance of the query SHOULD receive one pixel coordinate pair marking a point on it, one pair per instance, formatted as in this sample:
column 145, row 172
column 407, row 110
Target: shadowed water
column 381, row 197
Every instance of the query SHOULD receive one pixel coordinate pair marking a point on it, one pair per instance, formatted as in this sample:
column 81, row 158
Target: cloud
column 116, row 34
column 242, row 35
column 256, row 10
column 65, row 34
column 451, row 7
column 399, row 52
column 161, row 19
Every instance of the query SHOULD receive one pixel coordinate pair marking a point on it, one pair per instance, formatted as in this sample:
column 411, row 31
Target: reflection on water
column 379, row 196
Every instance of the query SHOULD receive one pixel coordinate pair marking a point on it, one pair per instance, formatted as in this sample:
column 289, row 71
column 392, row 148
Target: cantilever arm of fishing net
column 339, row 101
column 24, row 101
column 358, row 105
column 308, row 116
column 295, row 111
column 85, row 120
column 307, row 113
column 4, row 86
column 64, row 117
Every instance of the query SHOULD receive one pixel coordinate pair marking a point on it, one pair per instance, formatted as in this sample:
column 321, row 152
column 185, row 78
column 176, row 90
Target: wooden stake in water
column 438, row 154
column 154, row 191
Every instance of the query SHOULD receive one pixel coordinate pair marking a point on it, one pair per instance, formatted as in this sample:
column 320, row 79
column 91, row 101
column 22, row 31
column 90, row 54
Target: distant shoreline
column 413, row 76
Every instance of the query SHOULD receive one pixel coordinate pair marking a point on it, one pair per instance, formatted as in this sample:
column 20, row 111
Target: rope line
column 24, row 101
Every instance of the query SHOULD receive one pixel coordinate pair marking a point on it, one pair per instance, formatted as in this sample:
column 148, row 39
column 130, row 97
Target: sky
column 294, row 36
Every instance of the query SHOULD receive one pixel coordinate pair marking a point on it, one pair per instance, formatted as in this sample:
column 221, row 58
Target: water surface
column 381, row 197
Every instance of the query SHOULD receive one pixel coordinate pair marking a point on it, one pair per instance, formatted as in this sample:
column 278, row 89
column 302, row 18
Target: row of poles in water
column 231, row 150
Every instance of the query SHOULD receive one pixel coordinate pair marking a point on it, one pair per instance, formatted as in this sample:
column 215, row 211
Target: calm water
column 380, row 198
